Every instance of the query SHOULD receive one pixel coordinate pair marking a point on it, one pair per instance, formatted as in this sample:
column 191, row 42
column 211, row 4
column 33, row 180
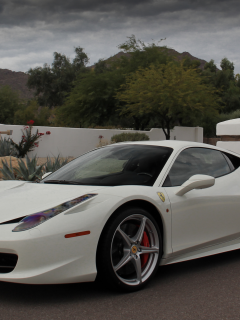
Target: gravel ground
column 44, row 160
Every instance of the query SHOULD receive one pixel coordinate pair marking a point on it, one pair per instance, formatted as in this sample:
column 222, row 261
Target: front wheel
column 130, row 250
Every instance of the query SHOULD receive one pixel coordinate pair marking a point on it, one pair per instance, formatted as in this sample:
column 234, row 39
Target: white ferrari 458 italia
column 119, row 212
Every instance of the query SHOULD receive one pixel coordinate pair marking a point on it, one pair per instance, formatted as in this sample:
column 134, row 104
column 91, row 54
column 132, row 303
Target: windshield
column 113, row 166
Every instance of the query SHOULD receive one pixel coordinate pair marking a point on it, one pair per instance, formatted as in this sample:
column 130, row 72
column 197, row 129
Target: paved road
column 207, row 288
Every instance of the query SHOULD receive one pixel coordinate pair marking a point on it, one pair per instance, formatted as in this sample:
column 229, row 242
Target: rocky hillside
column 184, row 55
column 17, row 81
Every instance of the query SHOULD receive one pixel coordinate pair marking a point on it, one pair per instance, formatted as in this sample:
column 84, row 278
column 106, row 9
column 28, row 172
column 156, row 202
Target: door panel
column 203, row 217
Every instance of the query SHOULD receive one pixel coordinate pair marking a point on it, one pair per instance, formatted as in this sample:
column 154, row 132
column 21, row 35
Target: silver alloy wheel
column 128, row 249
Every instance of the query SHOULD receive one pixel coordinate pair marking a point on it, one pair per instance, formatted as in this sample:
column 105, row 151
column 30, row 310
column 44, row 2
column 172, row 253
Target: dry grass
column 41, row 161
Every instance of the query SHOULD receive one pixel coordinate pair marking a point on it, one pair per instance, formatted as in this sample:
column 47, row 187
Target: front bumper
column 45, row 256
column 49, row 260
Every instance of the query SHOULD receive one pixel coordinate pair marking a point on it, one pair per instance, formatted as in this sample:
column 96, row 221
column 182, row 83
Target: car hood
column 20, row 198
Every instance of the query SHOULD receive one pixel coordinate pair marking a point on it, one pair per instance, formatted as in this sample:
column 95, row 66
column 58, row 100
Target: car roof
column 169, row 143
column 177, row 145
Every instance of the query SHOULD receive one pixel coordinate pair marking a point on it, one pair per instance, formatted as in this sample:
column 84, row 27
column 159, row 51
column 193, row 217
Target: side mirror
column 46, row 174
column 198, row 181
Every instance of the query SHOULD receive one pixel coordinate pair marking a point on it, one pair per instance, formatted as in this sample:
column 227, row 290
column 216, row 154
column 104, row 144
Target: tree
column 227, row 65
column 225, row 82
column 53, row 83
column 81, row 59
column 211, row 66
column 209, row 124
column 237, row 79
column 228, row 86
column 170, row 93
column 139, row 54
column 191, row 64
column 10, row 102
column 31, row 110
column 101, row 66
column 92, row 101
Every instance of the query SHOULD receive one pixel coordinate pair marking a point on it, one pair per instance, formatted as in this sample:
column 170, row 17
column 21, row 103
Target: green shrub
column 129, row 136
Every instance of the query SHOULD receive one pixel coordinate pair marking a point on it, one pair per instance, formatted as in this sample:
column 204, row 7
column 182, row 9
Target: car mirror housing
column 198, row 181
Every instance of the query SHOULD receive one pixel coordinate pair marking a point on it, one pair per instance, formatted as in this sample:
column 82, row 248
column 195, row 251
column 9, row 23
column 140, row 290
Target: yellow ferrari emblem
column 161, row 196
column 134, row 249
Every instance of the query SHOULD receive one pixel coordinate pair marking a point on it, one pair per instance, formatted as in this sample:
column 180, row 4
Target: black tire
column 129, row 250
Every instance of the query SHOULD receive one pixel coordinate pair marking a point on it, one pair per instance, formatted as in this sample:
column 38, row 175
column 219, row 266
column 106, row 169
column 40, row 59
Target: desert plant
column 7, row 170
column 55, row 164
column 6, row 148
column 129, row 136
column 28, row 142
column 29, row 171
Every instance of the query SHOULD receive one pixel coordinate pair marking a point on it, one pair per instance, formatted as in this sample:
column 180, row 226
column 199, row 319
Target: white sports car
column 119, row 212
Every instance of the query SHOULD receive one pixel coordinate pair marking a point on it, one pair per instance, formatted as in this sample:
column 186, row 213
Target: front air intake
column 8, row 262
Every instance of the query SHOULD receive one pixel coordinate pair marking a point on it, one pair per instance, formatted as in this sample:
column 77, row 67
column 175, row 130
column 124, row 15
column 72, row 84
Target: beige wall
column 76, row 141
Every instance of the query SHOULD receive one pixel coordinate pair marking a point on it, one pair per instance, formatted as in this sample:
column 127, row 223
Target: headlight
column 35, row 219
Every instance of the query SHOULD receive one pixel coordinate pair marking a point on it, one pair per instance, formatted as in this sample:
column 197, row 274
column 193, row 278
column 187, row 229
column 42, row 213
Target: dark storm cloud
column 24, row 12
column 31, row 30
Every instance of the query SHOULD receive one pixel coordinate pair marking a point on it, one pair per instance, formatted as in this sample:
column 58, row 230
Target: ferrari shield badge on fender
column 161, row 196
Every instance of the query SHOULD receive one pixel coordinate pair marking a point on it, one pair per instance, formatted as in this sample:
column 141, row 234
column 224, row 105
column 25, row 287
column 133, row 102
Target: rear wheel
column 130, row 250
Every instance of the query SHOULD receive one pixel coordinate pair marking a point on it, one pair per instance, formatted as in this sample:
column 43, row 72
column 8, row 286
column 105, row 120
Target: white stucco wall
column 230, row 145
column 76, row 141
column 228, row 128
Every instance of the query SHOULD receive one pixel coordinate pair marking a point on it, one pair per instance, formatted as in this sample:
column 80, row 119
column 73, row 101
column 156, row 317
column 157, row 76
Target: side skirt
column 208, row 251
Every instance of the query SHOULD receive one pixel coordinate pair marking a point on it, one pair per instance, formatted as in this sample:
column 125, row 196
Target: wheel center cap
column 134, row 249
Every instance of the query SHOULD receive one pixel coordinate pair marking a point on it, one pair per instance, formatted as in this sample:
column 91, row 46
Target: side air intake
column 8, row 262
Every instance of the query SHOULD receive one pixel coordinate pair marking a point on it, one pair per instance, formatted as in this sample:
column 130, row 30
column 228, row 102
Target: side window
column 193, row 161
column 233, row 161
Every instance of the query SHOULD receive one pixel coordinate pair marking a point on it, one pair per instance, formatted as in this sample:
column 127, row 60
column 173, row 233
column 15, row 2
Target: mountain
column 171, row 52
column 17, row 81
column 184, row 55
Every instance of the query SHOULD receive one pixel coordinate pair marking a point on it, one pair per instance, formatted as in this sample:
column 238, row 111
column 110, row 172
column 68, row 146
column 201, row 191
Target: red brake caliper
column 144, row 243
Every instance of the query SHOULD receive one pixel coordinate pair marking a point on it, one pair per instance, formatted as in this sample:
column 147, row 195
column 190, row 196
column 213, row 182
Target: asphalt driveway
column 207, row 288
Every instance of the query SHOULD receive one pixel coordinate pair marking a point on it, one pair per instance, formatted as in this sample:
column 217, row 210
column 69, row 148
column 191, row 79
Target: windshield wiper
column 63, row 182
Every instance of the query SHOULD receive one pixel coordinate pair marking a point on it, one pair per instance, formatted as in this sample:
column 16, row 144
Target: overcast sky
column 31, row 30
